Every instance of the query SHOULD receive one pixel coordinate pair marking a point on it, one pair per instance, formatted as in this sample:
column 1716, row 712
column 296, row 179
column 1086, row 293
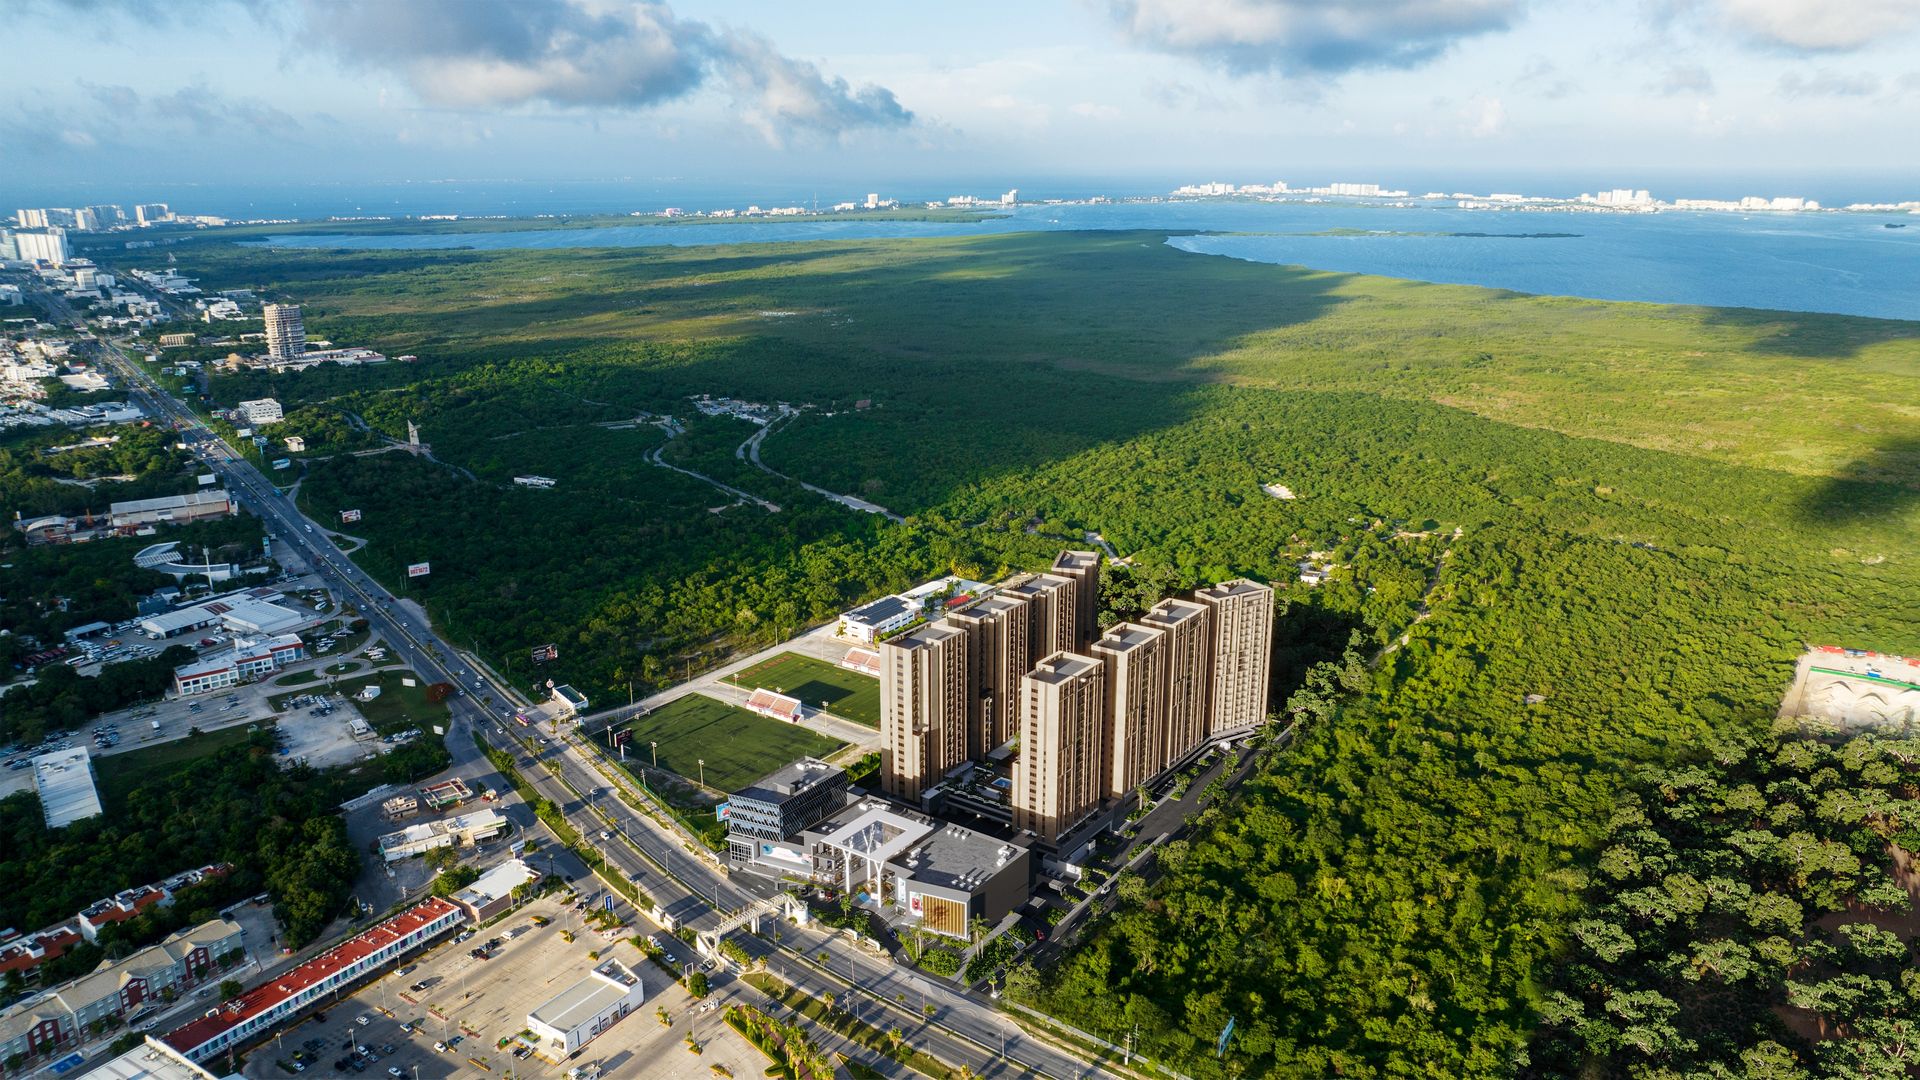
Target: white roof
column 878, row 833
column 65, row 781
column 498, row 882
column 154, row 1060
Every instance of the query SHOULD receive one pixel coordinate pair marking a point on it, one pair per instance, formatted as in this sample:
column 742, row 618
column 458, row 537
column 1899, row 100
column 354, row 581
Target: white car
column 363, row 1020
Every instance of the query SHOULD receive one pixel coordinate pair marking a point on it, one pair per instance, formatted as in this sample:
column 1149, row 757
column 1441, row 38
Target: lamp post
column 703, row 772
column 656, row 754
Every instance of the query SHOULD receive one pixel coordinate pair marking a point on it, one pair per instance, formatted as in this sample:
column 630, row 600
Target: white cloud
column 1800, row 25
column 1306, row 37
column 1826, row 82
column 1485, row 117
column 1682, row 79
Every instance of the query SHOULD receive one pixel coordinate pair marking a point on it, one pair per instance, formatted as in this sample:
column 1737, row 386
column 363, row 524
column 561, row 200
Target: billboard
column 281, row 463
column 545, row 654
column 419, row 569
column 347, row 517
column 723, row 811
column 206, row 478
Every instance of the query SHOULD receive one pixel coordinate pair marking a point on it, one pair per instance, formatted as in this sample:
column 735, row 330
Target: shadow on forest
column 1812, row 334
column 1885, row 484
column 1305, row 635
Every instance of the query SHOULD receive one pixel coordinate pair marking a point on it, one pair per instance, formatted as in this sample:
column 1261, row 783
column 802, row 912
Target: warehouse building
column 572, row 1018
column 244, row 611
column 492, row 893
column 64, row 780
column 170, row 509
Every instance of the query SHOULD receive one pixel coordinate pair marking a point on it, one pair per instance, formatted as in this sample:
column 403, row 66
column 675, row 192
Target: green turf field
column 739, row 747
column 819, row 685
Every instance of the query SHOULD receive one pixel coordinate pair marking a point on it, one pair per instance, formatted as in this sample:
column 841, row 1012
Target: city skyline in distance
column 298, row 91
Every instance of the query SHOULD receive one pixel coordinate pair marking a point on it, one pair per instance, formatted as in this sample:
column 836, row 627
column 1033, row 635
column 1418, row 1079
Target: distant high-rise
column 286, row 331
column 1084, row 568
column 44, row 245
column 1242, row 651
column 151, row 213
column 31, row 219
column 85, row 220
column 1189, row 649
column 1136, row 657
column 926, row 694
column 1056, row 778
column 997, row 630
column 1052, row 611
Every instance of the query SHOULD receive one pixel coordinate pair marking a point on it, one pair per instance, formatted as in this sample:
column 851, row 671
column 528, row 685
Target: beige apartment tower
column 1189, row 650
column 998, row 657
column 925, row 697
column 286, row 331
column 1084, row 568
column 1242, row 649
column 1052, row 613
column 1056, row 778
column 1135, row 656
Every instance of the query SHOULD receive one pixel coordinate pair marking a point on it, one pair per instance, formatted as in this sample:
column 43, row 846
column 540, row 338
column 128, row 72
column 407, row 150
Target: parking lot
column 450, row 998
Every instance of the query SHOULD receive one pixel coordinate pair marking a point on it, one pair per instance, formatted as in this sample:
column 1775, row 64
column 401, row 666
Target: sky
column 264, row 91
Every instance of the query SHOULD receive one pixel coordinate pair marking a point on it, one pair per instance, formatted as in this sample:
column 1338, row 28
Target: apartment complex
column 286, row 331
column 1022, row 676
column 926, row 693
column 1057, row 778
column 1242, row 647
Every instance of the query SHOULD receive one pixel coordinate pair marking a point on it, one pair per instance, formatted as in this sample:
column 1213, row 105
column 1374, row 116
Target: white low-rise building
column 262, row 411
column 575, row 1016
column 244, row 662
column 463, row 829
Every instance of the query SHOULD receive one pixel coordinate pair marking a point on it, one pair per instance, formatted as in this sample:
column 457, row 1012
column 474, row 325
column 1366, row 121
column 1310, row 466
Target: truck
column 156, row 725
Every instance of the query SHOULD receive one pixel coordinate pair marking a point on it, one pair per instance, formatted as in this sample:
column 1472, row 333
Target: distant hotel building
column 286, row 331
column 1066, row 721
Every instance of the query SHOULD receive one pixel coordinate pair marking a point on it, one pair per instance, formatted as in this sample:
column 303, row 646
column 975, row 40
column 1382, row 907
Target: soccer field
column 739, row 747
column 819, row 685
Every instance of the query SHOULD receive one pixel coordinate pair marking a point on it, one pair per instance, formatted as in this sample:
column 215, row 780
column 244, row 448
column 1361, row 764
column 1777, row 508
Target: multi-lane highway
column 688, row 887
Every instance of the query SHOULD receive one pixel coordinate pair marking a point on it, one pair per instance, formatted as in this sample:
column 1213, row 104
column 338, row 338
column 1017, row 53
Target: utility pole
column 703, row 772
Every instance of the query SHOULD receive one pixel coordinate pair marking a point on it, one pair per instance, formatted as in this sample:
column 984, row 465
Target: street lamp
column 703, row 772
column 656, row 754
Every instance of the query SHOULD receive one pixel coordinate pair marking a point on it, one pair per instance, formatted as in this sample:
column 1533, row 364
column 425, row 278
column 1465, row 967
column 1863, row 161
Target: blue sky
column 294, row 90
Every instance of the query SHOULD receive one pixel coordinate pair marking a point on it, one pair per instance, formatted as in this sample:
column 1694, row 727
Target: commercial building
column 49, row 245
column 464, row 829
column 146, row 214
column 1057, row 778
column 925, row 702
column 260, row 412
column 998, row 657
column 906, row 864
column 257, row 1011
column 575, row 1016
column 245, row 661
column 1242, row 617
column 170, row 509
column 868, row 622
column 763, row 816
column 243, row 611
column 1135, row 734
column 286, row 331
column 150, row 977
column 566, row 701
column 64, row 780
column 492, row 892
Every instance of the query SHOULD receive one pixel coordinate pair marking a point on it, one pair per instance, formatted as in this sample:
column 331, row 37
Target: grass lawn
column 297, row 678
column 398, row 707
column 120, row 774
column 819, row 685
column 739, row 747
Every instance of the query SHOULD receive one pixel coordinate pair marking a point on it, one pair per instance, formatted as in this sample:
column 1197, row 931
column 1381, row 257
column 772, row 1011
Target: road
column 691, row 889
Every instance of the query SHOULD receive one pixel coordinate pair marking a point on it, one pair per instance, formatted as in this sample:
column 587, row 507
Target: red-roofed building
column 253, row 1014
column 25, row 954
column 779, row 706
column 120, row 907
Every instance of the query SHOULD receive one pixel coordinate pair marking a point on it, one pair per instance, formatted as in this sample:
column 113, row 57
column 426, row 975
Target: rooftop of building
column 873, row 829
column 1126, row 637
column 169, row 502
column 477, row 821
column 992, row 606
column 1037, row 584
column 875, row 612
column 1062, row 667
column 498, row 883
column 1236, row 587
column 934, row 633
column 1172, row 611
column 587, row 998
column 956, row 857
column 64, row 779
column 289, row 984
column 1076, row 560
column 152, row 1060
column 789, row 780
